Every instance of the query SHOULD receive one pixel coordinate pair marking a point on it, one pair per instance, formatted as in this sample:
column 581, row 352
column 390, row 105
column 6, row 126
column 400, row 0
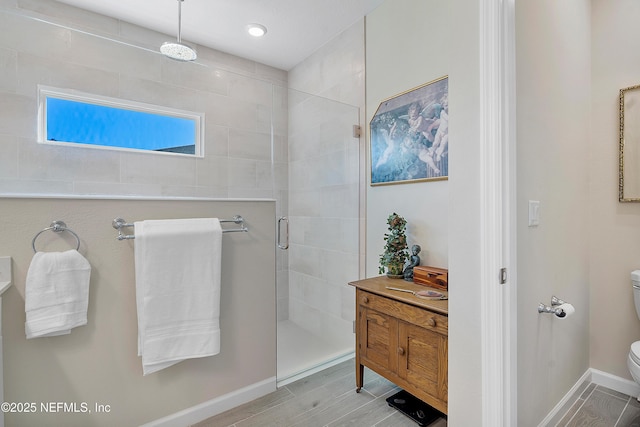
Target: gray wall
column 614, row 227
column 98, row 363
column 392, row 30
column 553, row 134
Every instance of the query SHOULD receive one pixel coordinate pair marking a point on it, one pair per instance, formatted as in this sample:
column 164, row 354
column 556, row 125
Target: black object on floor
column 414, row 408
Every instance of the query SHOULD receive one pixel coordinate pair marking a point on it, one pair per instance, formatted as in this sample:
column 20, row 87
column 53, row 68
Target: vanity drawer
column 408, row 313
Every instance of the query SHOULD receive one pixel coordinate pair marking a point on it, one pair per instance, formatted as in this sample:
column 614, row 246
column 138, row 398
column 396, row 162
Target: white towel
column 56, row 293
column 177, row 266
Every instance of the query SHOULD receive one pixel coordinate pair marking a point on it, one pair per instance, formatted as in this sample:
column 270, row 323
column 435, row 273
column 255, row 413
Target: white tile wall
column 324, row 187
column 41, row 44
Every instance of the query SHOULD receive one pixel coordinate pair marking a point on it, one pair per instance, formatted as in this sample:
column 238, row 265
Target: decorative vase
column 394, row 271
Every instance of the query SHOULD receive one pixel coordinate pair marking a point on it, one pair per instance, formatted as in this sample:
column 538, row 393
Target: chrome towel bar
column 56, row 227
column 120, row 223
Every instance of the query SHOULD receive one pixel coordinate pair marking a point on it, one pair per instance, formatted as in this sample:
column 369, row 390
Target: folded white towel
column 56, row 293
column 177, row 266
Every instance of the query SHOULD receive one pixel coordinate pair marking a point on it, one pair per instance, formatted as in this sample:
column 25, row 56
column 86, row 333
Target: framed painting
column 409, row 136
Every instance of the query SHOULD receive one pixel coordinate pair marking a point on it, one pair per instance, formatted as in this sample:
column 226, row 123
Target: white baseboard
column 613, row 382
column 216, row 406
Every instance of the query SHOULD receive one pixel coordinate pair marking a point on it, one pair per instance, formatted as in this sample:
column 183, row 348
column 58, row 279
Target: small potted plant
column 395, row 249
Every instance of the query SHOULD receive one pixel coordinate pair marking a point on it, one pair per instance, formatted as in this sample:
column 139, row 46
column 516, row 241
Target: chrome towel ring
column 56, row 227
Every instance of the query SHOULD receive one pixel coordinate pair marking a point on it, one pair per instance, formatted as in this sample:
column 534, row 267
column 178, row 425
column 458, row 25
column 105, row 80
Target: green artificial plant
column 395, row 249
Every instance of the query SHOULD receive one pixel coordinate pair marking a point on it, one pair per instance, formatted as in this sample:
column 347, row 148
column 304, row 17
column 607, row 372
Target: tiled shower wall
column 46, row 42
column 323, row 213
column 325, row 166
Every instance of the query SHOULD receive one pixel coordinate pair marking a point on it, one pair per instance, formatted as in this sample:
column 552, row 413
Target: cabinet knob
column 400, row 351
column 431, row 321
column 365, row 300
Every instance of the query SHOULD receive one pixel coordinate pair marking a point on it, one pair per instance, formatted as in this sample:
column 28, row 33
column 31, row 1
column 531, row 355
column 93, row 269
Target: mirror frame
column 621, row 196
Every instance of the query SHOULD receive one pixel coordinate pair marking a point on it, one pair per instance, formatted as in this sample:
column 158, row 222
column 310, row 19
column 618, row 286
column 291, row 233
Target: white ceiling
column 295, row 28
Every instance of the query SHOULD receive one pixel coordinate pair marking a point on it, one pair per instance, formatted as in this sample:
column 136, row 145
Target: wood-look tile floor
column 327, row 398
column 598, row 406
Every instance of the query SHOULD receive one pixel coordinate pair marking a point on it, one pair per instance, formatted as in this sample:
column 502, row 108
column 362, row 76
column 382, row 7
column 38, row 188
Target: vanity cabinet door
column 378, row 340
column 422, row 362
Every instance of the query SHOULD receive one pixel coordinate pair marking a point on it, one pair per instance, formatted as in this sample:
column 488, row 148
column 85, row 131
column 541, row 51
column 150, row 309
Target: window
column 72, row 118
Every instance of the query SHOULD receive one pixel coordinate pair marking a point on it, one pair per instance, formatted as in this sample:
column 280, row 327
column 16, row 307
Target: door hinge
column 503, row 275
column 357, row 131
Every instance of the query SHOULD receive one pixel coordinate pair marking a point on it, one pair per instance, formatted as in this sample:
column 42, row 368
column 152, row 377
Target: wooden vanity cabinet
column 403, row 338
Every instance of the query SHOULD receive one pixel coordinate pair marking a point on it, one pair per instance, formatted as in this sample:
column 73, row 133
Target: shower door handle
column 286, row 242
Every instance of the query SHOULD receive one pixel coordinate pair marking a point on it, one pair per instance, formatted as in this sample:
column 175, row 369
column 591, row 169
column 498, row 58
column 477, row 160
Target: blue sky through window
column 86, row 123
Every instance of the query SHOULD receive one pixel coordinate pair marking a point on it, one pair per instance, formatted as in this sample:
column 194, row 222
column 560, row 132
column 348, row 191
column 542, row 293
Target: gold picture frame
column 629, row 145
column 409, row 136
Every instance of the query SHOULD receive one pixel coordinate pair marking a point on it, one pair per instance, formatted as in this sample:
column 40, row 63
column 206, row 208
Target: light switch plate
column 534, row 213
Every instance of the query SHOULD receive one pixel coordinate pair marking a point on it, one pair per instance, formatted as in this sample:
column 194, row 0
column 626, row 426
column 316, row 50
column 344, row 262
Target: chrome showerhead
column 178, row 50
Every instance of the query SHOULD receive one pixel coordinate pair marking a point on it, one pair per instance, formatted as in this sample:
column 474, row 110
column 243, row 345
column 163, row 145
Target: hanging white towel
column 56, row 293
column 177, row 266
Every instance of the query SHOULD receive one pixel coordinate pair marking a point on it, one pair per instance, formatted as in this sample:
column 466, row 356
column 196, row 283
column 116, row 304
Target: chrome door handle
column 286, row 243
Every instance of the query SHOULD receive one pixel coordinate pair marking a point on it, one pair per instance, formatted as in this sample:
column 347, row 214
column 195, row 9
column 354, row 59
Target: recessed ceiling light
column 256, row 30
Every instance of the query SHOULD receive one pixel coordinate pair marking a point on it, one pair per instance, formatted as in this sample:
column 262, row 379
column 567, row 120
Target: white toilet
column 633, row 361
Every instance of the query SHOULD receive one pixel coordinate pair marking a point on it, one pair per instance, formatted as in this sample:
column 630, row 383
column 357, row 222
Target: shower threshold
column 300, row 353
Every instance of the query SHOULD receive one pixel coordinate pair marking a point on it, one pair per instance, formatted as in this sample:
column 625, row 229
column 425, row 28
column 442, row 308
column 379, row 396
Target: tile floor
column 598, row 406
column 327, row 398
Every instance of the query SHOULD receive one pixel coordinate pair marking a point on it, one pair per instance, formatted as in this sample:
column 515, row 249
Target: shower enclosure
column 321, row 205
column 262, row 141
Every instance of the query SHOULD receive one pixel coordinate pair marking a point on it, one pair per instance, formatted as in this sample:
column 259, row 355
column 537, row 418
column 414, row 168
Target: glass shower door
column 316, row 327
